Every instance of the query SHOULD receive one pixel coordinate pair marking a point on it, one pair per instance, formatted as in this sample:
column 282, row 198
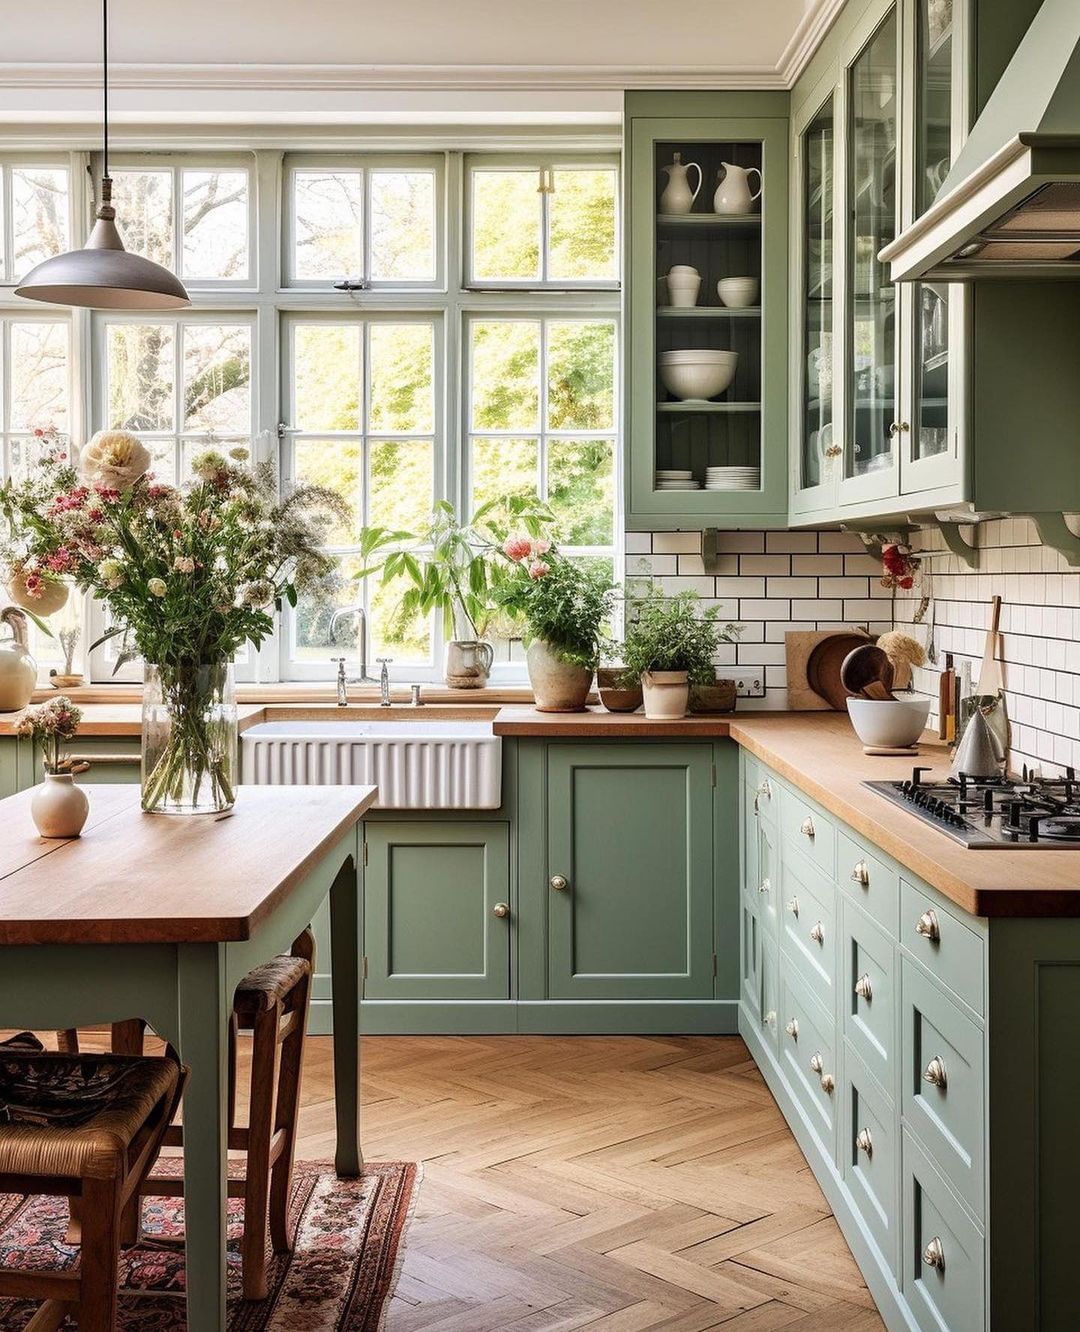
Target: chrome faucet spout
column 360, row 615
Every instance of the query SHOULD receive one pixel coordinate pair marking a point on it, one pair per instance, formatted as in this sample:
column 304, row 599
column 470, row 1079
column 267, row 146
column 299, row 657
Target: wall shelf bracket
column 1054, row 531
column 956, row 542
column 874, row 539
column 710, row 550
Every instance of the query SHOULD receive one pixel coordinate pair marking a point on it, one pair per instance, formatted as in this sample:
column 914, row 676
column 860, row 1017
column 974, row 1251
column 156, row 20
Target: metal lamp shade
column 104, row 276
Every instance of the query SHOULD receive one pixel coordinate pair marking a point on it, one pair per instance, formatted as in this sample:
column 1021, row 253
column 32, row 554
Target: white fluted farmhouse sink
column 415, row 764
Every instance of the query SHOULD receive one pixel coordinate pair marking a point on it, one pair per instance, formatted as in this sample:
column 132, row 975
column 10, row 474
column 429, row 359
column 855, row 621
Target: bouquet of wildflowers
column 189, row 576
column 51, row 725
column 565, row 603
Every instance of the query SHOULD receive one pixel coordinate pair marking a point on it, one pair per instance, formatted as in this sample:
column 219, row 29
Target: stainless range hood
column 1010, row 206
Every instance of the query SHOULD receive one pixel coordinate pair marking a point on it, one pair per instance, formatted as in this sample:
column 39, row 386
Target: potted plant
column 565, row 606
column 669, row 646
column 454, row 570
column 58, row 807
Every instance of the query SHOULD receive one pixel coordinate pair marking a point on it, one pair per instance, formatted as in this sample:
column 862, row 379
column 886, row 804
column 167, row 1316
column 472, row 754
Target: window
column 35, row 215
column 431, row 325
column 541, row 225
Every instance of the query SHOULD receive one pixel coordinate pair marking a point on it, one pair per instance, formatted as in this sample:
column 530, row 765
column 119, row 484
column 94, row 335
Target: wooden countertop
column 819, row 753
column 153, row 878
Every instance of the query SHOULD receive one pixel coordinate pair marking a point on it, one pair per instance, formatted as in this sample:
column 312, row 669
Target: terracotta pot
column 666, row 694
column 53, row 595
column 716, row 697
column 59, row 807
column 468, row 663
column 558, row 685
column 18, row 669
column 614, row 695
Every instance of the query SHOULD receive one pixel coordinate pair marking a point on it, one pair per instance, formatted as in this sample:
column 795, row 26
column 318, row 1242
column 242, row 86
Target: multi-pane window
column 35, row 212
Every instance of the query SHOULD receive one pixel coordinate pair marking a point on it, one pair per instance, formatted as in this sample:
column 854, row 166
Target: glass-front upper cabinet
column 872, row 324
column 818, row 446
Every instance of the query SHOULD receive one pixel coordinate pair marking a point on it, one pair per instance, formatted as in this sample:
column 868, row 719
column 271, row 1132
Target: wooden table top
column 157, row 878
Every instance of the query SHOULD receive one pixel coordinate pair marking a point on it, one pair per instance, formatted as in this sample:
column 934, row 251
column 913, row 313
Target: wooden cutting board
column 798, row 647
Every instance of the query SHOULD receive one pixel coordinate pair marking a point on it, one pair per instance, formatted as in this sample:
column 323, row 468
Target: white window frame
column 9, row 279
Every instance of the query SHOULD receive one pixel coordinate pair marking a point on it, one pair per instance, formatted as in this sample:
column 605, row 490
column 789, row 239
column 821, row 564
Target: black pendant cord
column 105, row 87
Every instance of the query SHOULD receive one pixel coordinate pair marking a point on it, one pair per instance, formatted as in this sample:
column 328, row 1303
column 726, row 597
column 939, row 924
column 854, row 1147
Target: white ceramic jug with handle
column 18, row 670
column 733, row 194
column 677, row 197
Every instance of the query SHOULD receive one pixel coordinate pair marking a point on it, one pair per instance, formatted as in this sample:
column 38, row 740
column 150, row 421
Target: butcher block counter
column 819, row 753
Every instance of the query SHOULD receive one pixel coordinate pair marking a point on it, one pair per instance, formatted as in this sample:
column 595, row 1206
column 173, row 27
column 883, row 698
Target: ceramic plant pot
column 614, row 695
column 59, row 807
column 468, row 663
column 716, row 697
column 557, row 685
column 18, row 670
column 666, row 694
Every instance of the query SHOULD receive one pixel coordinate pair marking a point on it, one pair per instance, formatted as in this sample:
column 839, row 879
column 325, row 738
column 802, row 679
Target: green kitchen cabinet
column 111, row 759
column 437, row 914
column 745, row 425
column 629, row 842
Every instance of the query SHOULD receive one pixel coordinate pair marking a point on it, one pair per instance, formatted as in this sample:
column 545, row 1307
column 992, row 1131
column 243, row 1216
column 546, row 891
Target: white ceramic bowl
column 738, row 292
column 889, row 723
column 697, row 380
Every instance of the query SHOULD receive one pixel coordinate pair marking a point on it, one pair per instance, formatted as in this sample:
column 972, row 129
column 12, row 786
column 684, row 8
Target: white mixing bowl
column 738, row 292
column 696, row 379
column 889, row 723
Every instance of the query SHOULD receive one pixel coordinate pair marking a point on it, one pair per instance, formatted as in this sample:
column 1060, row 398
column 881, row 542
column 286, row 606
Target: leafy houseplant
column 58, row 807
column 188, row 577
column 565, row 606
column 670, row 645
column 453, row 570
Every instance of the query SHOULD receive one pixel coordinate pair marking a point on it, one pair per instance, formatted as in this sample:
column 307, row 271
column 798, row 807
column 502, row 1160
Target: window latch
column 352, row 284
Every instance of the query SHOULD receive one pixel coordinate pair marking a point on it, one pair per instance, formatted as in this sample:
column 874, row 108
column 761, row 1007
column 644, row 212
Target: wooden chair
column 86, row 1127
column 271, row 1002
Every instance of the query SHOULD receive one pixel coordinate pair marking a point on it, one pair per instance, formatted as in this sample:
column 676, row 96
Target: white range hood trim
column 1015, row 172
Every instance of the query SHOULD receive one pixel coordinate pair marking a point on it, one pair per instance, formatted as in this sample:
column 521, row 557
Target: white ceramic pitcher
column 677, row 197
column 733, row 192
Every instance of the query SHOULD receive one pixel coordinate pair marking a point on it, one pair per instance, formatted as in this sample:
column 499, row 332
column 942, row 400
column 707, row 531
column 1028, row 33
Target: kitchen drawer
column 770, row 994
column 943, row 1095
column 869, row 1156
column 749, row 957
column 942, row 1252
column 868, row 881
column 808, row 831
column 768, row 878
column 942, row 943
column 808, row 1057
column 808, row 928
column 867, row 981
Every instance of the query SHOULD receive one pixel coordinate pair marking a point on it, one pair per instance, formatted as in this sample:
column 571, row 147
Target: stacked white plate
column 733, row 478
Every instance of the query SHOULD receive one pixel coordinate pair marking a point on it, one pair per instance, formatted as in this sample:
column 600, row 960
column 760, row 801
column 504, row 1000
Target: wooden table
column 159, row 917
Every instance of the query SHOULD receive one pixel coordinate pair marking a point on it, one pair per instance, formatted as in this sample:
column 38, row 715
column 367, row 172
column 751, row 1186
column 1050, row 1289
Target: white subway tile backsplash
column 676, row 543
column 765, row 564
column 797, row 542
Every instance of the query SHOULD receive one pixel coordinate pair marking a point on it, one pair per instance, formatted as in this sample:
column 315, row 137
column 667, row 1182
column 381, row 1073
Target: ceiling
column 344, row 61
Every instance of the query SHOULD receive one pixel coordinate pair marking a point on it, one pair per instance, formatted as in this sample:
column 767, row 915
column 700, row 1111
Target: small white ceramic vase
column 558, row 685
column 666, row 694
column 59, row 807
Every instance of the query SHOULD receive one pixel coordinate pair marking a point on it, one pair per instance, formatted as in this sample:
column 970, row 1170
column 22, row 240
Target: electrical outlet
column 750, row 686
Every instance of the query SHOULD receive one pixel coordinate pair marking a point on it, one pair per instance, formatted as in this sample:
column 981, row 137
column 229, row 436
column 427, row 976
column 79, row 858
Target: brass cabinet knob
column 927, row 925
column 864, row 1141
column 558, row 882
column 817, row 933
column 770, row 1018
column 764, row 886
column 501, row 909
column 828, row 1083
column 863, row 988
column 792, row 1029
column 807, row 827
column 817, row 1064
column 793, row 907
column 935, row 1073
column 934, row 1254
column 833, row 451
column 861, row 874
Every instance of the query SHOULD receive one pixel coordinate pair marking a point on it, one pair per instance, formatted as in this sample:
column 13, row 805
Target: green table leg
column 345, row 990
column 204, row 1005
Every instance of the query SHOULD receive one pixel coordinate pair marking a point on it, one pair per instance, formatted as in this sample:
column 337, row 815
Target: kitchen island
column 159, row 917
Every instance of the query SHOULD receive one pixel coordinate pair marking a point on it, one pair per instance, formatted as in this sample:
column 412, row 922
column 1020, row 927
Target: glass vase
column 188, row 738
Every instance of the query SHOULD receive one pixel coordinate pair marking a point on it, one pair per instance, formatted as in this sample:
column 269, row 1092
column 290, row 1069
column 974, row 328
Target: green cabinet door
column 434, row 920
column 630, row 831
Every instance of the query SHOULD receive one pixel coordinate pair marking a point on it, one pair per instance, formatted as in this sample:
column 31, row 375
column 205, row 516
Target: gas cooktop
column 1007, row 814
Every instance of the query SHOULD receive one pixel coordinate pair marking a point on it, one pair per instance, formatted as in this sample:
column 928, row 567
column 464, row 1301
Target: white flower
column 157, row 587
column 238, row 454
column 184, row 564
column 258, row 593
column 112, row 571
column 114, row 458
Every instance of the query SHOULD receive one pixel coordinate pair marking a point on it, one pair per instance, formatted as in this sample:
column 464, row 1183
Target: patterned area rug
column 338, row 1278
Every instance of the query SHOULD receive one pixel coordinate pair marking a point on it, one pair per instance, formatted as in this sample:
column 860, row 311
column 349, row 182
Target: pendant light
column 103, row 275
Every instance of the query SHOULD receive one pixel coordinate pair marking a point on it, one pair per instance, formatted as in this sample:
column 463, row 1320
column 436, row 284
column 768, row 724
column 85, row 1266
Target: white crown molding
column 807, row 37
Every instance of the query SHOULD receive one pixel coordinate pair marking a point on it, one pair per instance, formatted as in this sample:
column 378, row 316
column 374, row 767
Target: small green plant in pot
column 670, row 645
column 566, row 606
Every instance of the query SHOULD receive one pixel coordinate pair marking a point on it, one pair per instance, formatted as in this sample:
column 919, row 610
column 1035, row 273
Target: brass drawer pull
column 764, row 886
column 501, row 910
column 817, row 933
column 764, row 790
column 90, row 759
column 817, row 1064
column 770, row 1018
column 558, row 882
column 792, row 1029
column 807, row 828
column 927, row 925
column 934, row 1255
column 861, row 874
column 828, row 1083
column 863, row 988
column 935, row 1073
column 864, row 1142
column 793, row 907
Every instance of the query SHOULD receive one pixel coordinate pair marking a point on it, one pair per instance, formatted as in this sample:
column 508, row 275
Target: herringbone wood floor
column 609, row 1183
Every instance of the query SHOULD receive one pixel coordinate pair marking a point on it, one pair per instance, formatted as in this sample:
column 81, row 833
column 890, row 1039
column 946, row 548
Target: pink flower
column 538, row 569
column 109, row 493
column 540, row 546
column 517, row 548
column 32, row 583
